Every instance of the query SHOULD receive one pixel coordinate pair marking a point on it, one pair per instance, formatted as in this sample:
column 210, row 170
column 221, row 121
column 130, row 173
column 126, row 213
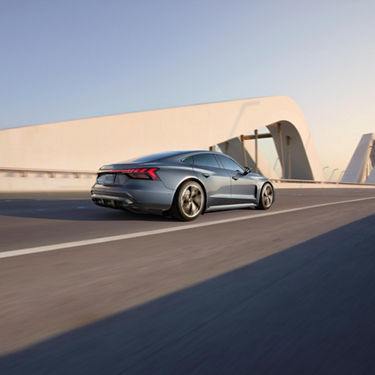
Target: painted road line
column 94, row 241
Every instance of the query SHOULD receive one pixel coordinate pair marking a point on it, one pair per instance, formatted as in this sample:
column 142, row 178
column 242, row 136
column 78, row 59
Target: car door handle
column 235, row 177
column 206, row 175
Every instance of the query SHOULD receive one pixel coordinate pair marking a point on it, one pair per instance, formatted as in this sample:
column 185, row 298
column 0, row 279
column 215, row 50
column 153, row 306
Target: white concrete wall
column 358, row 166
column 371, row 177
column 35, row 183
column 295, row 156
column 89, row 143
column 61, row 184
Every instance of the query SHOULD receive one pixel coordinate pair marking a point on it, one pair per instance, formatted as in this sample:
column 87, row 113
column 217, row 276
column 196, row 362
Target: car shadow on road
column 308, row 309
column 80, row 210
column 84, row 210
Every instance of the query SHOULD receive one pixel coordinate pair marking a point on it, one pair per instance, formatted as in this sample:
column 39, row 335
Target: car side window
column 230, row 164
column 206, row 160
column 189, row 160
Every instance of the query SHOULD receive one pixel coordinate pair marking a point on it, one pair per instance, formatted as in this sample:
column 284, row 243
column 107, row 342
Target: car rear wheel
column 189, row 201
column 267, row 196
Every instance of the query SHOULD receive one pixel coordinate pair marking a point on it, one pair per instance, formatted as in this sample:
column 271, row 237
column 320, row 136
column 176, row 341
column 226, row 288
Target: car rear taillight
column 144, row 173
column 138, row 173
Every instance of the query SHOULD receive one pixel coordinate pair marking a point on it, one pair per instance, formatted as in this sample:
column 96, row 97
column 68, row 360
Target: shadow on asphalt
column 307, row 310
column 80, row 210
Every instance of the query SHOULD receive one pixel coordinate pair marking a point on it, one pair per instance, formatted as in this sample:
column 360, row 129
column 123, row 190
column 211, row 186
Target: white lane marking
column 94, row 241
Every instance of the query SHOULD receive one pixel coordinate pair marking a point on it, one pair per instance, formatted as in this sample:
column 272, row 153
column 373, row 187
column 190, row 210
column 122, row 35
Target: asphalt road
column 289, row 291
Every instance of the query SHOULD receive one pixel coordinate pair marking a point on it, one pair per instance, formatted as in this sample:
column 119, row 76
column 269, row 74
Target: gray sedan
column 182, row 184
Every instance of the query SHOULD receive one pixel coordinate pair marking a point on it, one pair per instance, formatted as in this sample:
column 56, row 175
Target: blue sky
column 64, row 60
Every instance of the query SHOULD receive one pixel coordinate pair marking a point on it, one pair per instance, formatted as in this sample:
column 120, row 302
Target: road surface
column 99, row 291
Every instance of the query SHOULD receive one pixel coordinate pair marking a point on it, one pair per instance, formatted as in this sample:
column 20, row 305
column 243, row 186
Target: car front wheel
column 267, row 196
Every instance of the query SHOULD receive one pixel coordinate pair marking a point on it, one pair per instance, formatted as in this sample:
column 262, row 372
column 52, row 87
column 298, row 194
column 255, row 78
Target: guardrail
column 51, row 173
column 314, row 182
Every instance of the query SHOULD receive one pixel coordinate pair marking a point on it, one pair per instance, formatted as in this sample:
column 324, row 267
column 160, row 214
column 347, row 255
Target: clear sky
column 68, row 59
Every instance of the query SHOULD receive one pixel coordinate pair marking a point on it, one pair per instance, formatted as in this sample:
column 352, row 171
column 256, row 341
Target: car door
column 216, row 179
column 243, row 187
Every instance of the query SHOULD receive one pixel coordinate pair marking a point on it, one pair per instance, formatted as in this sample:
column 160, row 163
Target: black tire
column 189, row 201
column 267, row 197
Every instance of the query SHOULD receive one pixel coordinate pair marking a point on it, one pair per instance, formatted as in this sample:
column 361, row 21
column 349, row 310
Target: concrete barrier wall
column 18, row 184
column 34, row 183
column 362, row 162
column 301, row 185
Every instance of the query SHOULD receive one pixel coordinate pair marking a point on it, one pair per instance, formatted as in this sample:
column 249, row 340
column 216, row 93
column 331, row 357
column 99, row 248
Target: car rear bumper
column 142, row 196
column 111, row 201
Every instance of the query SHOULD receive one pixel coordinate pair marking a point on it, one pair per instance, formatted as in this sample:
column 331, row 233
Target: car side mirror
column 247, row 170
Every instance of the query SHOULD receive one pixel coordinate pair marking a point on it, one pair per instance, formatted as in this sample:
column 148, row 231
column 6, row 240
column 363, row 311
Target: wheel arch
column 191, row 178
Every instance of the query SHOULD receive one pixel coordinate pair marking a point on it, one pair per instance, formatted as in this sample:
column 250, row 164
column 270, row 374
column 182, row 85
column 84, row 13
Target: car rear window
column 154, row 157
column 111, row 179
column 189, row 160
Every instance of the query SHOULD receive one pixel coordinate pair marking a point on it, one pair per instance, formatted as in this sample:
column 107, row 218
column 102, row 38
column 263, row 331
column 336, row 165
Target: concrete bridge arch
column 86, row 144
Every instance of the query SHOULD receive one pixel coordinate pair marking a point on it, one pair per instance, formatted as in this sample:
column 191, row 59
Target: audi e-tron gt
column 183, row 184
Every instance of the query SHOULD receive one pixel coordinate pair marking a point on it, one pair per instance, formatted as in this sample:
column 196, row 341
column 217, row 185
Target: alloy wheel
column 191, row 200
column 267, row 196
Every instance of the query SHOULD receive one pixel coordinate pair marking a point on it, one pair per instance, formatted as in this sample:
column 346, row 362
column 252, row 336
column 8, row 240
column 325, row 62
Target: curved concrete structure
column 89, row 143
column 234, row 148
column 361, row 166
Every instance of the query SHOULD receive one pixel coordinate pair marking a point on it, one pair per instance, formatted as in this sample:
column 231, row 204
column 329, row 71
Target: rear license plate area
column 106, row 179
column 120, row 179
